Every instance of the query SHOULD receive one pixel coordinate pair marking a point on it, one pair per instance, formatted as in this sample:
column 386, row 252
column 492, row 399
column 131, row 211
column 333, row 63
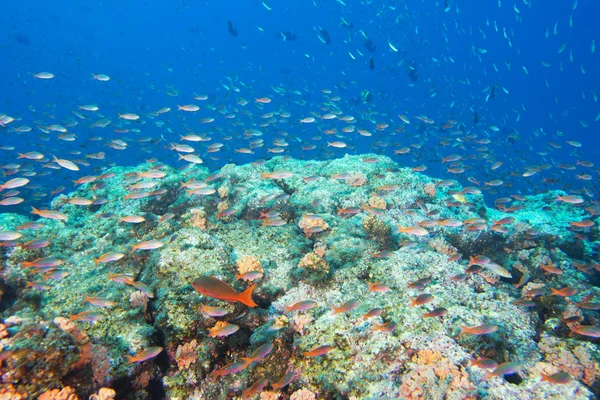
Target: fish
column 232, row 30
column 222, row 329
column 109, row 257
column 483, row 329
column 144, row 355
column 507, row 368
column 260, row 353
column 285, row 380
column 319, row 351
column 230, row 369
column 300, row 306
column 256, row 388
column 346, row 307
column 216, row 288
column 558, row 378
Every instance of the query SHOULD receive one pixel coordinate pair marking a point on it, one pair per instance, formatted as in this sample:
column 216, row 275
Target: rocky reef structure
column 381, row 244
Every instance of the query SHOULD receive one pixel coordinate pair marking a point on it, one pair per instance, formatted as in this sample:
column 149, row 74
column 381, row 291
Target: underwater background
column 302, row 199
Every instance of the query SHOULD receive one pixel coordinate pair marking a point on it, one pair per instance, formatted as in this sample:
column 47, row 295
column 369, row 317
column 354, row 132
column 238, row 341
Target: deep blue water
column 161, row 54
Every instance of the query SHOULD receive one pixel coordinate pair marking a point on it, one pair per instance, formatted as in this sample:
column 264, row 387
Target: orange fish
column 147, row 354
column 482, row 329
column 551, row 268
column 214, row 287
column 378, row 287
column 319, row 351
column 564, row 292
column 559, row 378
column 413, row 230
column 346, row 307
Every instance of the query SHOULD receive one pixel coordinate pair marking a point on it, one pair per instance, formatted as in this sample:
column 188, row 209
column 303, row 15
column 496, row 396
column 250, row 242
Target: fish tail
column 246, row 297
column 335, row 310
column 463, row 330
column 413, row 302
column 130, row 359
column 544, row 377
column 35, row 211
column 264, row 175
column 554, row 292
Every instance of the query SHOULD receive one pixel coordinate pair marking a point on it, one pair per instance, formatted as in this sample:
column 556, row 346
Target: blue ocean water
column 536, row 57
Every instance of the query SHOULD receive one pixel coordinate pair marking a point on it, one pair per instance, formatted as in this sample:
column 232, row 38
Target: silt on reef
column 322, row 240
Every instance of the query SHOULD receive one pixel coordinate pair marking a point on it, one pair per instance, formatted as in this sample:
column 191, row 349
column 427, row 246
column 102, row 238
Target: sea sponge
column 310, row 224
column 248, row 264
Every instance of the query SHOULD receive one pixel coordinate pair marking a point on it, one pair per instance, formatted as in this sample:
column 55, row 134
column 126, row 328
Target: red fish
column 214, row 287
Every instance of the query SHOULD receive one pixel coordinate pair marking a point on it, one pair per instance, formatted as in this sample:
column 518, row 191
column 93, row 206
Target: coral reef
column 410, row 265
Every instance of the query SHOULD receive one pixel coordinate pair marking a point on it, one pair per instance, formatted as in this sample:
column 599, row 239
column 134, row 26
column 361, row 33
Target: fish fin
column 130, row 359
column 247, row 360
column 35, row 211
column 335, row 310
column 264, row 175
column 286, row 309
column 246, row 297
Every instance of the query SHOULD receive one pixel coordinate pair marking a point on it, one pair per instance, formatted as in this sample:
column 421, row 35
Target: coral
column 198, row 219
column 440, row 245
column 9, row 393
column 320, row 249
column 142, row 380
column 248, row 264
column 430, row 189
column 558, row 354
column 591, row 370
column 300, row 321
column 104, row 394
column 311, row 224
column 356, row 179
column 139, row 300
column 101, row 365
column 303, row 394
column 66, row 393
column 377, row 202
column 223, row 191
column 269, row 395
column 313, row 262
column 222, row 206
column 3, row 331
column 186, row 354
column 377, row 230
column 436, row 377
